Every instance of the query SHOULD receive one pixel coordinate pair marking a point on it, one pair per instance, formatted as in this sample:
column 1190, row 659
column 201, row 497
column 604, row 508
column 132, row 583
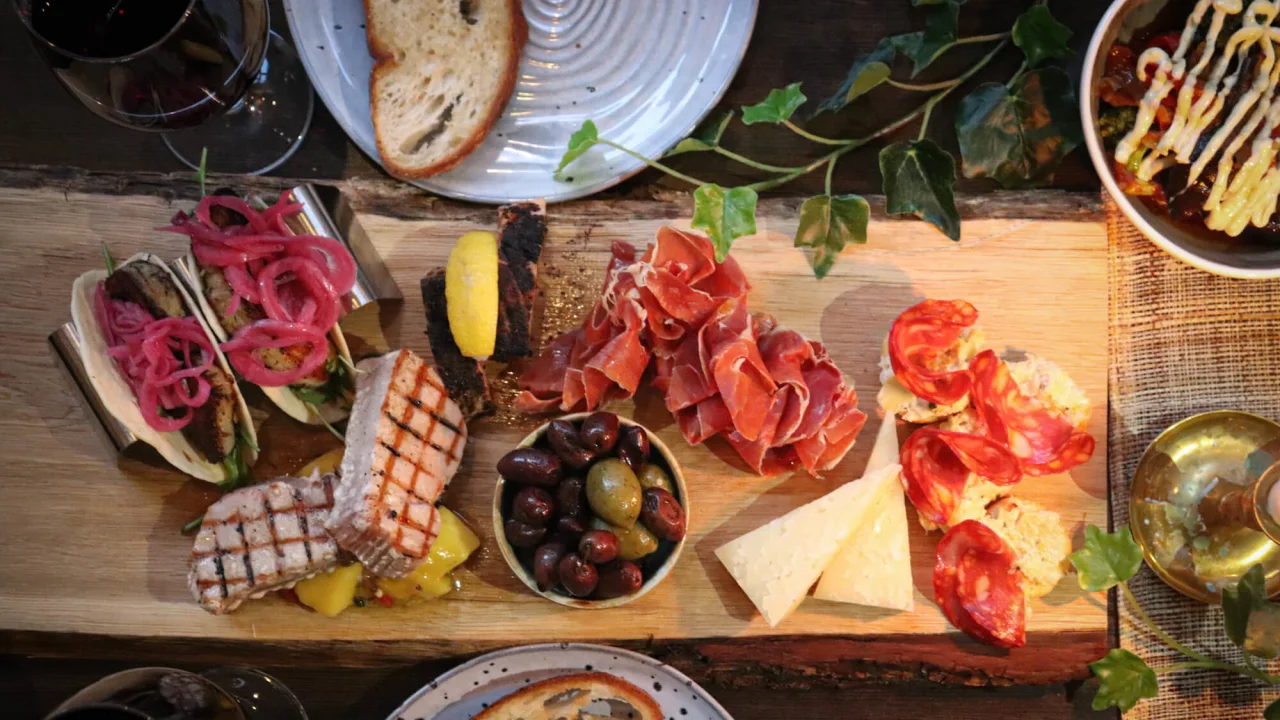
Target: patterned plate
column 645, row 72
column 467, row 689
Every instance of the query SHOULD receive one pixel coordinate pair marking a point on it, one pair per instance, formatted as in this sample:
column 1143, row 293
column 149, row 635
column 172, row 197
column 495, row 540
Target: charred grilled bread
column 443, row 71
column 590, row 694
column 522, row 228
column 463, row 377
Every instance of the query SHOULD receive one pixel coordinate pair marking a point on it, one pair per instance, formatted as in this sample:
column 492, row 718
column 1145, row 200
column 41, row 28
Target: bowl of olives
column 590, row 510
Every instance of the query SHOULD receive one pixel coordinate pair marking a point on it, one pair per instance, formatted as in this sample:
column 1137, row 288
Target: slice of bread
column 443, row 71
column 590, row 694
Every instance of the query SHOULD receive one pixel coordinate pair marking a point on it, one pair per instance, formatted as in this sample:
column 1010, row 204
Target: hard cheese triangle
column 778, row 563
column 874, row 566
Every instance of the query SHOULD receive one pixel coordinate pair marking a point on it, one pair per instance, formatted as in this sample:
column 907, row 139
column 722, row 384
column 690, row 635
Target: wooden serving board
column 93, row 559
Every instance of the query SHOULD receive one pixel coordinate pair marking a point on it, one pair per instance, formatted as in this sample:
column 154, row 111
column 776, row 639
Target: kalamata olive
column 571, row 496
column 618, row 579
column 533, row 506
column 634, row 542
column 613, row 492
column 662, row 514
column 578, row 576
column 651, row 475
column 598, row 546
column 546, row 564
column 564, row 439
column 569, row 529
column 523, row 535
column 633, row 446
column 531, row 466
column 599, row 432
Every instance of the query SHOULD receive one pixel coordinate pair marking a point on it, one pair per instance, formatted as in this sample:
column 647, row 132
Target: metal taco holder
column 324, row 212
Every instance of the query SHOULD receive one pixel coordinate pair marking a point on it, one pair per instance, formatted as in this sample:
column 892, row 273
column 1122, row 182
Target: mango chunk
column 332, row 592
column 433, row 578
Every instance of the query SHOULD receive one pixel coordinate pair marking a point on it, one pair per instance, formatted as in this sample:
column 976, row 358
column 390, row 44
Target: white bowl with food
column 1181, row 131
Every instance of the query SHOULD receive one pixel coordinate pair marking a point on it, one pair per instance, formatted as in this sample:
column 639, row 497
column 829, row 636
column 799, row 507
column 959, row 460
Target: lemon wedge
column 471, row 293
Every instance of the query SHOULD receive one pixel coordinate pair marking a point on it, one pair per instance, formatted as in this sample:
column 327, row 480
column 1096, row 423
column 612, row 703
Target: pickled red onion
column 319, row 293
column 157, row 359
column 276, row 334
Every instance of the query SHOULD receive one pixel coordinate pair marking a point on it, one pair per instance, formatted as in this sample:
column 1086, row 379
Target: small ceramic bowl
column 1211, row 251
column 656, row 566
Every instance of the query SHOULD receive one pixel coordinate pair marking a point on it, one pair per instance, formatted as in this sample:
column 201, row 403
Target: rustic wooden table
column 45, row 136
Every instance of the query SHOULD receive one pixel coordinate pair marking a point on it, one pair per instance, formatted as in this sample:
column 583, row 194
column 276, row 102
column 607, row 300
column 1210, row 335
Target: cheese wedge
column 874, row 566
column 778, row 563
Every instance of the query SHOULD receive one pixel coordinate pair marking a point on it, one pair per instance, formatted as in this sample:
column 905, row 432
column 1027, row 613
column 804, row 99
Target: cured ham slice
column 936, row 465
column 978, row 587
column 1044, row 440
column 922, row 345
column 776, row 397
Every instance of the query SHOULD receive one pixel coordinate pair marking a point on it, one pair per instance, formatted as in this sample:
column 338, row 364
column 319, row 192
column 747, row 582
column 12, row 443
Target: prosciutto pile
column 776, row 397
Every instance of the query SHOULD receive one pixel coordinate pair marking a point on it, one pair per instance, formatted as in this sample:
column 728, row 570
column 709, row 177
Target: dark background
column 813, row 41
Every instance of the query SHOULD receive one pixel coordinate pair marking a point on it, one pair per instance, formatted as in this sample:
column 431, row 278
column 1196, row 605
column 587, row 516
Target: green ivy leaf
column 941, row 25
column 579, row 143
column 867, row 72
column 778, row 107
column 1019, row 135
column 1272, row 712
column 918, row 179
column 1239, row 601
column 827, row 225
column 1041, row 36
column 726, row 215
column 1107, row 559
column 1123, row 679
column 705, row 137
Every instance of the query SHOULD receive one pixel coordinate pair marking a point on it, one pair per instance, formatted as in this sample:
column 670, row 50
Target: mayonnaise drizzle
column 1239, row 195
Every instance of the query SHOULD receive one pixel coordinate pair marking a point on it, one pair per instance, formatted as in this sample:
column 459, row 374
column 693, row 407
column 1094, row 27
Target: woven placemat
column 1183, row 342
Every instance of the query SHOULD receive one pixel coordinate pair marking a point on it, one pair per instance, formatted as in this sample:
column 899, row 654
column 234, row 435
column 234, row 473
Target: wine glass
column 209, row 74
column 157, row 693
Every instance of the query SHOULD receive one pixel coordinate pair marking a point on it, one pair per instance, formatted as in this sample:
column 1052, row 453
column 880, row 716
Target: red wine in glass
column 168, row 694
column 166, row 65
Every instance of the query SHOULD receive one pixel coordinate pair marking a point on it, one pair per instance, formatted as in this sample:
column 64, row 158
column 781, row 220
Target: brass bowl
column 1215, row 454
column 667, row 553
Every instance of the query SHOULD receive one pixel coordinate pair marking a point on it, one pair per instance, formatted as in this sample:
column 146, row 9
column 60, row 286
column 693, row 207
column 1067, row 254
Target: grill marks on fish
column 262, row 538
column 148, row 285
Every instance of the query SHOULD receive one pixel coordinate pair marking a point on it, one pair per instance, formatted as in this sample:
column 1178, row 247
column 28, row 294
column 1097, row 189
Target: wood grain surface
column 95, row 554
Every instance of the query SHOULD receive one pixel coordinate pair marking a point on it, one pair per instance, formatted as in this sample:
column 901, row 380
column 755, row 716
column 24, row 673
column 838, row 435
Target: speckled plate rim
column 552, row 649
column 572, row 192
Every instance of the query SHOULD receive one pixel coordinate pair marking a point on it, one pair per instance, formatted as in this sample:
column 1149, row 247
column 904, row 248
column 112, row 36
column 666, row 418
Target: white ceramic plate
column 645, row 71
column 467, row 689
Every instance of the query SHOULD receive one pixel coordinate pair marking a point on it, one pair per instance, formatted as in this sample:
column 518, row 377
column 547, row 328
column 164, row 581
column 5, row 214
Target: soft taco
column 156, row 365
column 274, row 299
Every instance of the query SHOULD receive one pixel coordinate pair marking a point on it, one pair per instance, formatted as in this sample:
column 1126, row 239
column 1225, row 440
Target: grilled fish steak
column 212, row 430
column 405, row 440
column 463, row 377
column 522, row 228
column 260, row 539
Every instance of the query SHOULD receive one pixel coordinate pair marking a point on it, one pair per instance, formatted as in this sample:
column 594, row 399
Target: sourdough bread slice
column 443, row 71
column 590, row 694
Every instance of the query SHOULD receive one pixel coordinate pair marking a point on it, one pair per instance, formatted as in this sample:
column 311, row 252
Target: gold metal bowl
column 1204, row 462
column 667, row 554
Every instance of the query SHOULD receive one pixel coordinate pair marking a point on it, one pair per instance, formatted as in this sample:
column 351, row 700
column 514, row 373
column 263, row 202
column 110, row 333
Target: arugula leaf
column 942, row 21
column 1124, row 679
column 828, row 224
column 193, row 525
column 1262, row 638
column 867, row 72
column 106, row 256
column 311, row 396
column 1019, row 135
column 726, row 215
column 236, row 467
column 1239, row 601
column 778, row 107
column 579, row 143
column 1107, row 559
column 1272, row 712
column 202, row 171
column 705, row 137
column 1041, row 36
column 918, row 179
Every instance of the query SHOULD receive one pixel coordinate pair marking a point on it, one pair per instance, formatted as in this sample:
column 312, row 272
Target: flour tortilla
column 283, row 397
column 118, row 397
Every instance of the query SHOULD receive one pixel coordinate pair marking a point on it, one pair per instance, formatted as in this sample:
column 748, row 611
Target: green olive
column 613, row 492
column 634, row 542
column 652, row 476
